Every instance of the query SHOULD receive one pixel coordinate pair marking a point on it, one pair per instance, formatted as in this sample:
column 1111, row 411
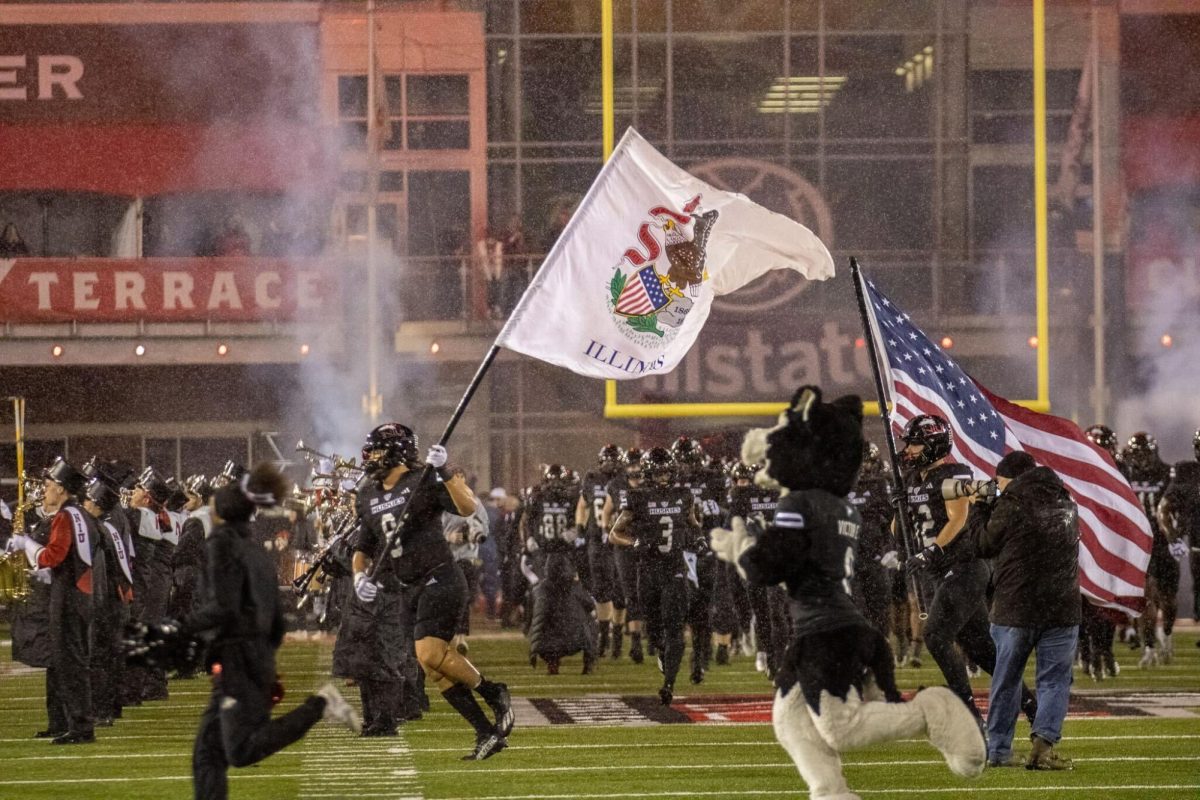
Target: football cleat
column 666, row 694
column 697, row 675
column 1149, row 658
column 486, row 746
column 722, row 656
column 760, row 662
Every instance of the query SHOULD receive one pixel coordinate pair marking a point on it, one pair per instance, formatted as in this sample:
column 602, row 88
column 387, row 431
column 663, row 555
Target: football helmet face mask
column 555, row 475
column 872, row 463
column 610, row 457
column 743, row 474
column 687, row 454
column 932, row 434
column 1103, row 437
column 389, row 446
column 1141, row 451
column 633, row 463
column 659, row 466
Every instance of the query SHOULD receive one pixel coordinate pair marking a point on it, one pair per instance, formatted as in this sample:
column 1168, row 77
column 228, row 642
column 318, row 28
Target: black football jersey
column 551, row 513
column 926, row 507
column 421, row 546
column 594, row 492
column 753, row 503
column 1183, row 493
column 870, row 498
column 662, row 519
column 811, row 547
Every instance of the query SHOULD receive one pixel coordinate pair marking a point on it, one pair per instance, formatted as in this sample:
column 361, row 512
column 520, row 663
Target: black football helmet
column 687, row 453
column 1141, row 451
column 555, row 475
column 389, row 446
column 610, row 456
column 659, row 465
column 743, row 472
column 633, row 463
column 872, row 463
column 935, row 436
column 1103, row 437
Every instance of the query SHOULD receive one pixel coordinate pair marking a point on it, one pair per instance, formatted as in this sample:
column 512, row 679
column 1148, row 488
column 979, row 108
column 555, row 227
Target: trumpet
column 348, row 467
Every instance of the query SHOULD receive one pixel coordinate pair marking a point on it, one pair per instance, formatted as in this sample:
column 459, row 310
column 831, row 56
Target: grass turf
column 147, row 754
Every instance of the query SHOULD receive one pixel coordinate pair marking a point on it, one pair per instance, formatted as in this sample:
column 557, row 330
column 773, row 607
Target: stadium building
column 192, row 187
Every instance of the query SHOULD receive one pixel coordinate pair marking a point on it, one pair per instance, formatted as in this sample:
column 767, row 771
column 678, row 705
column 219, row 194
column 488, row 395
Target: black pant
column 772, row 626
column 700, row 606
column 627, row 575
column 958, row 613
column 68, row 686
column 664, row 589
column 107, row 663
column 382, row 704
column 602, row 564
column 236, row 729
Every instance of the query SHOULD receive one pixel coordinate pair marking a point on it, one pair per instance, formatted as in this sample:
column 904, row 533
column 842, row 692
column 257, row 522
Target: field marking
column 760, row 792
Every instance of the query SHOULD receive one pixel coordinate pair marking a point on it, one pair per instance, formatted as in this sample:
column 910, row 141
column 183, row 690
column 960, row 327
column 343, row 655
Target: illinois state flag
column 629, row 284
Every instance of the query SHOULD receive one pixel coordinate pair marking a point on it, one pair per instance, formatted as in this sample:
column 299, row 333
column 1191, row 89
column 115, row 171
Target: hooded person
column 828, row 689
column 241, row 618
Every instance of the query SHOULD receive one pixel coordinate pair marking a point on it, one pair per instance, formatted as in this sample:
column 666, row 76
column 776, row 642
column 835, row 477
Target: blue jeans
column 1055, row 656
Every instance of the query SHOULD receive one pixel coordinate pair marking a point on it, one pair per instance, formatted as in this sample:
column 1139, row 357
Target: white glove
column 32, row 549
column 1179, row 549
column 730, row 543
column 531, row 545
column 364, row 587
column 42, row 575
column 16, row 543
column 890, row 560
column 437, row 457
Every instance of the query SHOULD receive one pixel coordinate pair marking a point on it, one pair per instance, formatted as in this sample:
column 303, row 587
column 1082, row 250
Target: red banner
column 167, row 290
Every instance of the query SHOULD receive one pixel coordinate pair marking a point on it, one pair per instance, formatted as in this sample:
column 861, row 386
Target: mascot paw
column 730, row 543
column 953, row 730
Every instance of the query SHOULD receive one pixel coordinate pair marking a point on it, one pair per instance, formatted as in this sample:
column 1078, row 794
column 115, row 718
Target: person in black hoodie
column 242, row 614
column 1031, row 533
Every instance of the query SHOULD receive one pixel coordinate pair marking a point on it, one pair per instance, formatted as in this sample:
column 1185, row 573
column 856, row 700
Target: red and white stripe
column 1114, row 532
column 634, row 300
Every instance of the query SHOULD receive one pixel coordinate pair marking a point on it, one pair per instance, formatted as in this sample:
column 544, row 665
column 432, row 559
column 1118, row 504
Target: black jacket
column 1032, row 537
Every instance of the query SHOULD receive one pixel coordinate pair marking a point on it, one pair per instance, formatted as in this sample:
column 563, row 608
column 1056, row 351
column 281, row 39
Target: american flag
column 922, row 379
column 642, row 294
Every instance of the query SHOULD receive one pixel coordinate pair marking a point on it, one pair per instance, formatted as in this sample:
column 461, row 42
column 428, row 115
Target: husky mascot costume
column 828, row 691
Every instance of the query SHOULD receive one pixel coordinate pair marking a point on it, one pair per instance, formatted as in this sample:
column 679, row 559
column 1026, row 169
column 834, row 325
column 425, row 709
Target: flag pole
column 907, row 536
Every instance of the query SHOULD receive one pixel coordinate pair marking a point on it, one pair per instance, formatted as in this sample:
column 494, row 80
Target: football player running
column 660, row 521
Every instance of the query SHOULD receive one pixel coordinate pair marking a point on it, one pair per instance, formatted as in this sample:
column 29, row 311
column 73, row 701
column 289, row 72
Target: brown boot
column 1045, row 757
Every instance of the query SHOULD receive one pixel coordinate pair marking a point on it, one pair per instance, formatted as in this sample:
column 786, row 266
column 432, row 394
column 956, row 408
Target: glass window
column 643, row 106
column 439, row 212
column 559, row 78
column 894, row 15
column 391, row 181
column 547, row 188
column 871, row 96
column 352, row 96
column 727, row 89
column 437, row 95
column 439, row 135
column 501, row 91
column 725, row 15
column 881, row 205
column 560, row 16
column 1002, row 207
column 161, row 454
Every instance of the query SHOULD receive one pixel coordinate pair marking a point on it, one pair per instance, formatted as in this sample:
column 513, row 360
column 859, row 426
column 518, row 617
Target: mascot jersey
column 811, row 546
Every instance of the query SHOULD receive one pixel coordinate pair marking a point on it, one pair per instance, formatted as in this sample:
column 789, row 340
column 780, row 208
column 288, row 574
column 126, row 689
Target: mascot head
column 815, row 445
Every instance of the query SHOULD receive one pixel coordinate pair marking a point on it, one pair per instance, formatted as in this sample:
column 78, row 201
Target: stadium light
column 947, row 343
column 56, row 351
column 140, row 350
column 1032, row 341
column 222, row 349
column 1166, row 340
column 303, row 350
column 434, row 348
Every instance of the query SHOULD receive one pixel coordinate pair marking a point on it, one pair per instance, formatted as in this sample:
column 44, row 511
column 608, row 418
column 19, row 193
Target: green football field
column 603, row 736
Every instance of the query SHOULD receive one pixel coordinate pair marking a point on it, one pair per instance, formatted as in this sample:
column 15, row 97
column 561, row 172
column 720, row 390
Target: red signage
column 167, row 290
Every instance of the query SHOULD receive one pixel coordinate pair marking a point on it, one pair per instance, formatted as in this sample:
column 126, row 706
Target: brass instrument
column 342, row 467
column 14, row 567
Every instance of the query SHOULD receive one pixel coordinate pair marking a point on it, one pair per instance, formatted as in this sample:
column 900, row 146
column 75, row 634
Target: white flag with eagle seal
column 630, row 282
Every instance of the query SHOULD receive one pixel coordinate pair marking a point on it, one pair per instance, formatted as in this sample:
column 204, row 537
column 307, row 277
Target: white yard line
column 958, row 790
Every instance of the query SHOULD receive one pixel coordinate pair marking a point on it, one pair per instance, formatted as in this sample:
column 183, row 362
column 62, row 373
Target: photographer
column 1032, row 534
